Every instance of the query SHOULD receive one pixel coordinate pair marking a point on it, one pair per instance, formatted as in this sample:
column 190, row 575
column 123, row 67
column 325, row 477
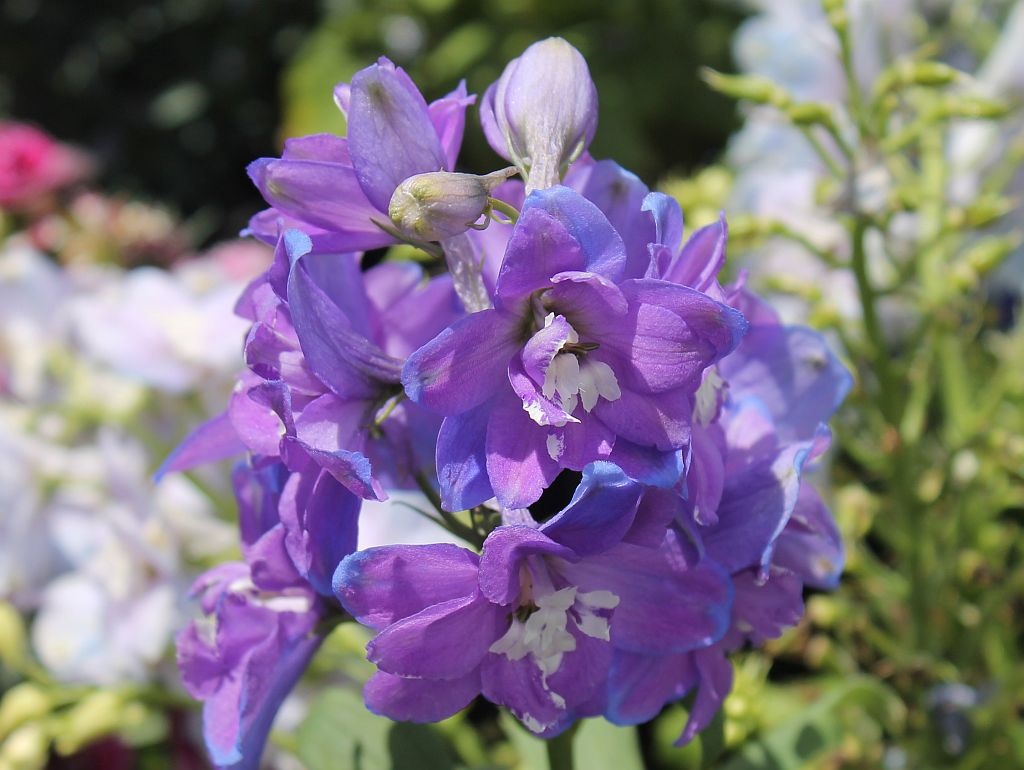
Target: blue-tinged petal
column 409, row 309
column 465, row 364
column 349, row 467
column 340, row 278
column 380, row 586
column 667, row 218
column 588, row 300
column 657, row 510
column 326, row 195
column 540, row 246
column 391, row 136
column 442, row 641
column 600, row 513
column 763, row 609
column 419, row 700
column 793, row 372
column 757, row 500
column 461, row 459
column 321, row 519
column 811, row 546
column 603, row 250
column 639, row 685
column 255, row 423
column 705, row 478
column 715, row 675
column 257, row 487
column 345, row 361
column 214, row 440
column 647, row 464
column 270, row 564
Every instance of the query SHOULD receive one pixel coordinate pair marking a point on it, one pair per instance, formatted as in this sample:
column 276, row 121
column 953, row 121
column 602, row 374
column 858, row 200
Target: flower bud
column 25, row 702
column 441, row 204
column 27, row 748
column 12, row 637
column 541, row 114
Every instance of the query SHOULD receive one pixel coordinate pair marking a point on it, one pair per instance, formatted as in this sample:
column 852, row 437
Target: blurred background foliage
column 176, row 97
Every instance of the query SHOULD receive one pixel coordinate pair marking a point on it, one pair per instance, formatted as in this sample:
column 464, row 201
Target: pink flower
column 33, row 164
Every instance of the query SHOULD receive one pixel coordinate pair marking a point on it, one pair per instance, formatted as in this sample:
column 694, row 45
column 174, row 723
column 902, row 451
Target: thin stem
column 467, row 277
column 451, row 523
column 559, row 748
column 507, row 209
column 823, row 153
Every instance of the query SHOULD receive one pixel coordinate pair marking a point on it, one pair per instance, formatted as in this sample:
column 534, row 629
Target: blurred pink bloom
column 33, row 164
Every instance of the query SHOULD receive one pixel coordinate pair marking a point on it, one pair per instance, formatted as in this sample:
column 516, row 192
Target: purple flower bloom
column 533, row 622
column 261, row 617
column 321, row 377
column 337, row 189
column 542, row 112
column 574, row 363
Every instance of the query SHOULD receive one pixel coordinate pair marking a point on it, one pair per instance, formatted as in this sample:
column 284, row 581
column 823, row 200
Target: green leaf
column 340, row 734
column 820, row 726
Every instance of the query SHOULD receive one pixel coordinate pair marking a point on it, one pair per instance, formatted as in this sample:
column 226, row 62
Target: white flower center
column 575, row 378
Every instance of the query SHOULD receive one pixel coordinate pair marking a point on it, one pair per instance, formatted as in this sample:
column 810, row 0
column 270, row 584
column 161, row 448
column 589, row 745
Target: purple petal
column 519, row 465
column 715, row 672
column 811, row 545
column 664, row 606
column 600, row 513
column 419, row 700
column 324, row 147
column 465, row 364
column 519, row 686
column 764, row 609
column 503, row 554
column 448, row 114
column 256, row 424
column 272, row 568
column 670, row 335
column 701, row 259
column 258, row 490
column 540, row 246
column 620, row 195
column 661, row 420
column 345, row 361
column 326, row 195
column 602, row 247
column 705, row 478
column 214, row 440
column 648, row 465
column 443, row 641
column 793, row 372
column 390, row 133
column 641, row 685
column 380, row 586
column 462, row 459
column 320, row 516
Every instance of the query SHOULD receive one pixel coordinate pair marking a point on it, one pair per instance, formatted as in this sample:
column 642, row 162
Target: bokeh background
column 914, row 663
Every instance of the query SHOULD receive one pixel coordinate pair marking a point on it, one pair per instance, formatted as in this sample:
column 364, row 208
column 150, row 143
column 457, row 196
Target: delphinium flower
column 591, row 339
column 263, row 618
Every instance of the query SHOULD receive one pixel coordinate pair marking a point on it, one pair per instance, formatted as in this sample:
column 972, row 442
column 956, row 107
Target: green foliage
column 644, row 56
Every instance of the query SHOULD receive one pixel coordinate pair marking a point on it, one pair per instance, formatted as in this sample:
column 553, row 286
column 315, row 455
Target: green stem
column 453, row 525
column 505, row 208
column 560, row 751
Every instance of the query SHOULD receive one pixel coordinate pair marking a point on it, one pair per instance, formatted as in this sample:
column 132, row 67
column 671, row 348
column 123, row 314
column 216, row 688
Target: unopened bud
column 12, row 637
column 22, row 703
column 752, row 88
column 975, row 107
column 97, row 715
column 541, row 114
column 27, row 748
column 441, row 204
column 810, row 114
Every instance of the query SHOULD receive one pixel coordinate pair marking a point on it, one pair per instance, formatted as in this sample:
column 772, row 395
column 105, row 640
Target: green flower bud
column 95, row 716
column 23, row 703
column 27, row 748
column 442, row 204
column 12, row 637
column 752, row 88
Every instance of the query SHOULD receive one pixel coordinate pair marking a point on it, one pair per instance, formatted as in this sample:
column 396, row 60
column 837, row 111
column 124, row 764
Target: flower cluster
column 575, row 338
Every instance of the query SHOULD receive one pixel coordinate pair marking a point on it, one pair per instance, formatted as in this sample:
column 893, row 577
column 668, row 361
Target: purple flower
column 759, row 418
column 574, row 364
column 533, row 622
column 541, row 114
column 338, row 189
column 324, row 353
column 261, row 617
